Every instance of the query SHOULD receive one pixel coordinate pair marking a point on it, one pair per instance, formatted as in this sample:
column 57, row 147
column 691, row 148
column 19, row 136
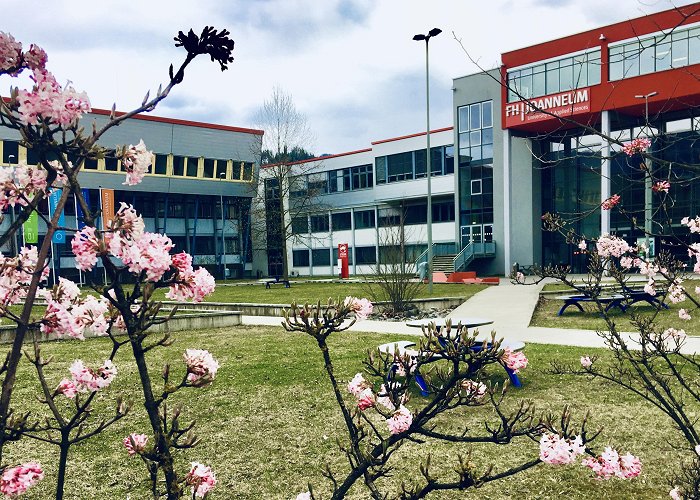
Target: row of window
column 475, row 125
column 363, row 255
column 567, row 73
column 163, row 164
column 411, row 165
column 341, row 221
column 655, row 53
column 334, row 181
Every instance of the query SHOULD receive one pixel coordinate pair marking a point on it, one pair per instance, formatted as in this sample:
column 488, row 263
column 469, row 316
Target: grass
column 546, row 314
column 314, row 291
column 269, row 424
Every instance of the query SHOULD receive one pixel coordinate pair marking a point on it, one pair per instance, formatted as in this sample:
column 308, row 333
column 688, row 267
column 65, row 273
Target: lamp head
column 419, row 37
column 434, row 32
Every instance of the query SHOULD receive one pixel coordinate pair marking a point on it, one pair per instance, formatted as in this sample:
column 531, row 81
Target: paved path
column 510, row 306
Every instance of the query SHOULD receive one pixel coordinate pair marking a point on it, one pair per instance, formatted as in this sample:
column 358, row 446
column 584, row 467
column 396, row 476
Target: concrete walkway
column 510, row 306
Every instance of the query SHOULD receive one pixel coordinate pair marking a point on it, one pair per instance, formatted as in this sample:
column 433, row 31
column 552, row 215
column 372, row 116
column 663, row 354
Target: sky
column 351, row 66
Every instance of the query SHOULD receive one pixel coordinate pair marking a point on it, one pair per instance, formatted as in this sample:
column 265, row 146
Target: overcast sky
column 350, row 65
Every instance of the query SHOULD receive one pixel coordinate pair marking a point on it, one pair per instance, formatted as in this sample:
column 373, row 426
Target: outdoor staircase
column 444, row 263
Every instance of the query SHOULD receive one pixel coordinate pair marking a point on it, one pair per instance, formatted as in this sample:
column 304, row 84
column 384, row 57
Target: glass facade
column 411, row 165
column 566, row 73
column 650, row 54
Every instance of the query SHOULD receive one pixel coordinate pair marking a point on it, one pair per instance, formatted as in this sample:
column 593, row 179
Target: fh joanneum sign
column 542, row 108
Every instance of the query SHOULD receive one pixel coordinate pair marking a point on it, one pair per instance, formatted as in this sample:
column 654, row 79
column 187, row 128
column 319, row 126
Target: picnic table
column 404, row 346
column 274, row 281
column 610, row 301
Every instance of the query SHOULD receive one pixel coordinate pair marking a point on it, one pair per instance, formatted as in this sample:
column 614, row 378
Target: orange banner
column 107, row 199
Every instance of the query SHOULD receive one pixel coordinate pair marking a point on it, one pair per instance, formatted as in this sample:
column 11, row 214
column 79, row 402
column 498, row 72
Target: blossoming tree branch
column 48, row 119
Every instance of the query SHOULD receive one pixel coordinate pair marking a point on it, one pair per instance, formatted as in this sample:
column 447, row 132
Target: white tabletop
column 469, row 322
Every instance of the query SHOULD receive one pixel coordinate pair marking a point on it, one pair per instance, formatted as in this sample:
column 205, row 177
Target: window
column 365, row 255
column 444, row 211
column 161, row 164
column 476, row 186
column 10, row 152
column 389, row 217
column 400, row 166
column 416, row 214
column 361, row 177
column 247, row 171
column 111, row 164
column 208, row 172
column 90, row 164
column 300, row 258
column 364, row 219
column 192, row 166
column 317, row 183
column 321, row 257
column 474, row 143
column 221, row 166
column 297, row 186
column 319, row 223
column 566, row 73
column 300, row 225
column 380, row 162
column 341, row 221
column 178, row 165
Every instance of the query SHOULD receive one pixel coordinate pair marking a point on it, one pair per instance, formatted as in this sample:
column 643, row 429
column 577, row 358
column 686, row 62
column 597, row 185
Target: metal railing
column 439, row 250
column 471, row 251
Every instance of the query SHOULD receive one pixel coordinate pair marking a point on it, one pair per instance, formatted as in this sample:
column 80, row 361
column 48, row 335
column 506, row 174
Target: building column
column 352, row 240
column 506, row 202
column 605, row 181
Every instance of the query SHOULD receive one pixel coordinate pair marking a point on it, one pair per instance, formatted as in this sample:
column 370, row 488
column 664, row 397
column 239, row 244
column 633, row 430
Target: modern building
column 543, row 133
column 198, row 190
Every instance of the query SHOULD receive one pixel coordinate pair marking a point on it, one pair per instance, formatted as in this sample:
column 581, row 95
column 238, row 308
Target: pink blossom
column 48, row 101
column 626, row 262
column 365, row 399
column 519, row 277
column 582, row 245
column 35, row 58
column 17, row 480
column 611, row 202
column 556, row 450
column 692, row 224
column 676, row 292
column 611, row 246
column 182, row 262
column 136, row 161
column 400, row 421
column 384, row 399
column 67, row 387
column 675, row 493
column 357, row 385
column 683, row 314
column 515, row 360
column 10, row 52
column 304, row 496
column 611, row 464
column 201, row 367
column 636, row 146
column 586, row 361
column 697, row 449
column 201, row 478
column 85, row 248
column 88, row 380
column 473, row 390
column 649, row 287
column 139, row 443
column 190, row 285
column 361, row 307
column 661, row 187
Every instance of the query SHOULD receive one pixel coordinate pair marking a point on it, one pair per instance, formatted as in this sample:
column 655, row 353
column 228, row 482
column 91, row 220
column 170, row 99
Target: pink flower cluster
column 191, row 285
column 21, row 183
column 201, row 478
column 85, row 247
column 473, row 390
column 201, row 367
column 357, row 385
column 136, row 161
column 611, row 202
column 16, row 275
column 586, row 361
column 611, row 464
column 611, row 246
column 400, row 421
column 361, row 307
column 17, row 480
column 135, row 443
column 693, row 224
column 69, row 314
column 514, row 360
column 304, row 496
column 10, row 53
column 684, row 315
column 556, row 450
column 661, row 187
column 85, row 379
column 636, row 146
column 49, row 102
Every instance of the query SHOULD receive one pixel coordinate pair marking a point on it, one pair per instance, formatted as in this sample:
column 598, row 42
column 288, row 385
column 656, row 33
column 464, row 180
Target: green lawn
column 268, row 423
column 546, row 314
column 314, row 291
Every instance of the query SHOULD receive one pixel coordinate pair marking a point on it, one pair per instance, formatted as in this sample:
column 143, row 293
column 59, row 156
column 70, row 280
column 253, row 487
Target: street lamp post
column 432, row 33
column 222, row 176
column 647, row 178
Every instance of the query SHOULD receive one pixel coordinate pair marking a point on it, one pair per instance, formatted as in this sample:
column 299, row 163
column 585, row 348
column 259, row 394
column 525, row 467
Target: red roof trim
column 319, row 158
column 412, row 135
column 177, row 121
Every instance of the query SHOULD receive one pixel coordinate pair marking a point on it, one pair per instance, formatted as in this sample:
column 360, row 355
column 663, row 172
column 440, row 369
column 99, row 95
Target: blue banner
column 78, row 209
column 59, row 236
